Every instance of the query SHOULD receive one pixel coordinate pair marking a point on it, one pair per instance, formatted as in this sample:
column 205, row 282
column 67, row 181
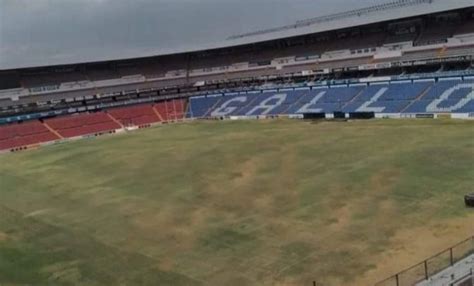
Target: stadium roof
column 394, row 10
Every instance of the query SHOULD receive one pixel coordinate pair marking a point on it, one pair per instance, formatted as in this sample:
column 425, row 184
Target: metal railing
column 431, row 266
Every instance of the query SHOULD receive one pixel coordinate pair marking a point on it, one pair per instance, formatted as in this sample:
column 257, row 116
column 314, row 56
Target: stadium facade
column 406, row 58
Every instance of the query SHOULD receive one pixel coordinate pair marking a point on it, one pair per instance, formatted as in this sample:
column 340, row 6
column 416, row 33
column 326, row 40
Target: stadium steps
column 213, row 107
column 187, row 107
column 294, row 104
column 157, row 113
column 285, row 111
column 52, row 130
column 177, row 112
column 422, row 94
column 354, row 98
column 114, row 119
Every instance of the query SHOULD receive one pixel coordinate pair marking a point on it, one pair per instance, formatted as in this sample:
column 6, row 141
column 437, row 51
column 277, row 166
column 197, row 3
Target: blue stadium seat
column 446, row 96
column 406, row 97
column 199, row 106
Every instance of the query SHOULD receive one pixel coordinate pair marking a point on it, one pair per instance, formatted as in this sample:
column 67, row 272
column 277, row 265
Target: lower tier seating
column 83, row 124
column 448, row 96
column 135, row 115
column 24, row 134
column 171, row 110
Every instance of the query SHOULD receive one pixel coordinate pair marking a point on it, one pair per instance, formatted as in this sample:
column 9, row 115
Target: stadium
column 337, row 150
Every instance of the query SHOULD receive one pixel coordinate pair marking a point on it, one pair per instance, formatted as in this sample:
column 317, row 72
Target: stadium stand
column 466, row 28
column 445, row 96
column 24, row 134
column 408, row 36
column 429, row 36
column 83, row 124
column 373, row 66
column 9, row 80
column 20, row 135
column 200, row 106
column 449, row 96
column 171, row 110
column 440, row 34
column 135, row 115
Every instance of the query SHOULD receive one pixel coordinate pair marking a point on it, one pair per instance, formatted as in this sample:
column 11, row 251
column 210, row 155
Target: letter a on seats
column 265, row 107
column 225, row 109
column 434, row 106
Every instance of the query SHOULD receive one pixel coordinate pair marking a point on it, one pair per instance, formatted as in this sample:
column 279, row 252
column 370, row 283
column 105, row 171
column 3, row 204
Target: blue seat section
column 438, row 88
column 231, row 104
column 391, row 98
column 340, row 94
column 325, row 100
column 199, row 106
column 291, row 99
column 366, row 95
column 392, row 106
column 253, row 100
column 400, row 91
column 305, row 100
column 419, row 97
column 446, row 96
column 273, row 103
column 468, row 108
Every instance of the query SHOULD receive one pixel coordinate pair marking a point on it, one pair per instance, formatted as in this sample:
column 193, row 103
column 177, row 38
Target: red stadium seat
column 24, row 134
column 171, row 110
column 135, row 115
column 83, row 124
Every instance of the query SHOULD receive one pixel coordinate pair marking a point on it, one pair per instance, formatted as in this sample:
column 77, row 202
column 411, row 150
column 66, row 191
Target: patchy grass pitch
column 236, row 203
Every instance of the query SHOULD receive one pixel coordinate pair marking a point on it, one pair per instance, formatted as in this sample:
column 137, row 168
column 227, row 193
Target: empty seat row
column 24, row 134
column 135, row 115
column 78, row 120
column 82, row 124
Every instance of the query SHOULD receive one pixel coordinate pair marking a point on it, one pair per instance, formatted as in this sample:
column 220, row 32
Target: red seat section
column 83, row 124
column 24, row 134
column 135, row 115
column 171, row 110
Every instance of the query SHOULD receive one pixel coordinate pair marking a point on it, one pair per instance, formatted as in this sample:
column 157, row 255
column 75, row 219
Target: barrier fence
column 431, row 266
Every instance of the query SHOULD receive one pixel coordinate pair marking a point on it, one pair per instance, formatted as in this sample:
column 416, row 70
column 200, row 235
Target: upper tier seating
column 39, row 80
column 135, row 115
column 407, row 37
column 83, row 124
column 436, row 35
column 9, row 80
column 466, row 28
column 24, row 134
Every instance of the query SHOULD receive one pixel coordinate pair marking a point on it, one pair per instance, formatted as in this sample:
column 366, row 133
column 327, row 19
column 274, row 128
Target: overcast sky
column 45, row 32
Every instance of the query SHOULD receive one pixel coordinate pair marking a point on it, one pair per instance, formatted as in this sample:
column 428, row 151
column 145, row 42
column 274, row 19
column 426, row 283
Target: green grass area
column 229, row 203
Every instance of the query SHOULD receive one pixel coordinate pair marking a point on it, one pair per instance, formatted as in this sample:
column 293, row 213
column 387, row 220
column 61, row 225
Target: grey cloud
column 43, row 32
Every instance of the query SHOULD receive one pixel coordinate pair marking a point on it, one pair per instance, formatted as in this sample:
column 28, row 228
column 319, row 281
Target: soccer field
column 237, row 203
